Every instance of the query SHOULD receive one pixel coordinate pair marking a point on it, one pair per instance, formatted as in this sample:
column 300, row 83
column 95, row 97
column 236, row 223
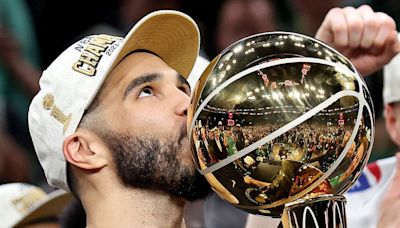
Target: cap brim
column 172, row 35
column 51, row 206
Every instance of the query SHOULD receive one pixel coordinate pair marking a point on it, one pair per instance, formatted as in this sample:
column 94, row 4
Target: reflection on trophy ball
column 280, row 116
column 348, row 101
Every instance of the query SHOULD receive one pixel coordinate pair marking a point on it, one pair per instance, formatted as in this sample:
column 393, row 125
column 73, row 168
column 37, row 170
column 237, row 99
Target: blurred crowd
column 34, row 32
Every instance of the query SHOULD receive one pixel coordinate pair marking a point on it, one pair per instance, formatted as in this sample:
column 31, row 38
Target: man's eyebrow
column 146, row 78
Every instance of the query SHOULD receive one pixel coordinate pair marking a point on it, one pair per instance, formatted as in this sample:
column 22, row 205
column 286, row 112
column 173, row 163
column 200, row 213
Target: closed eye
column 185, row 89
column 183, row 85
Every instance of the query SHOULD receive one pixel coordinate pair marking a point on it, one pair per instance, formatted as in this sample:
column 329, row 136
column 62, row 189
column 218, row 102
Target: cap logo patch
column 48, row 104
column 92, row 54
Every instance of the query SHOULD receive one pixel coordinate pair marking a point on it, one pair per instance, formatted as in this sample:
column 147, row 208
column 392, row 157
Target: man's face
column 392, row 120
column 144, row 105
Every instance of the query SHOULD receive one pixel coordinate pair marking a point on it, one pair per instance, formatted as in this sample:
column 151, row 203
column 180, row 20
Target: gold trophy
column 282, row 125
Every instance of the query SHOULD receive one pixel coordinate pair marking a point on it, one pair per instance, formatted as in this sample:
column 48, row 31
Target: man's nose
column 182, row 100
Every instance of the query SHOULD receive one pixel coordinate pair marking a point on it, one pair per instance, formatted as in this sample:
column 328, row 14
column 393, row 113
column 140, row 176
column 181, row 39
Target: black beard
column 147, row 162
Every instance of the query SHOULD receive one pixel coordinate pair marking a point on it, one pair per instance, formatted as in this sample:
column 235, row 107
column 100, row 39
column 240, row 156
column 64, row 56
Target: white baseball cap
column 391, row 81
column 22, row 204
column 70, row 84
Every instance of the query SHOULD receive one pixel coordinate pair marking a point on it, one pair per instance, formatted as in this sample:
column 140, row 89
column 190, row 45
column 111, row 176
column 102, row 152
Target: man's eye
column 185, row 89
column 146, row 92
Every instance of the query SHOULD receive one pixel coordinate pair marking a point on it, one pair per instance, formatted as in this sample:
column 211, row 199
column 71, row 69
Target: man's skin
column 157, row 106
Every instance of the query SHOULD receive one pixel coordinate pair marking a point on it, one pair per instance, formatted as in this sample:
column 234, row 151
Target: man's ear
column 84, row 149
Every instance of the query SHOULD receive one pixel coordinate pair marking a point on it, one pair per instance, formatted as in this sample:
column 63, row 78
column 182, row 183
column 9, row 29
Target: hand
column 367, row 38
column 389, row 211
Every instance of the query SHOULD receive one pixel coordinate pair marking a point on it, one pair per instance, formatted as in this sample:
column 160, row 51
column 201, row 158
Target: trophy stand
column 323, row 211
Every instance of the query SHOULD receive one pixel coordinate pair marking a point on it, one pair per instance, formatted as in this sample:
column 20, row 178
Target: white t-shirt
column 365, row 197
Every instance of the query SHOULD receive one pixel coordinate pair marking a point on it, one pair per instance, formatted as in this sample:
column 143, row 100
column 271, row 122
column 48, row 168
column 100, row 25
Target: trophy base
column 323, row 211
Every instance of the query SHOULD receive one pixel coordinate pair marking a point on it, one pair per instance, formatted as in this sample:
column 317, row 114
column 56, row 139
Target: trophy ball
column 280, row 116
